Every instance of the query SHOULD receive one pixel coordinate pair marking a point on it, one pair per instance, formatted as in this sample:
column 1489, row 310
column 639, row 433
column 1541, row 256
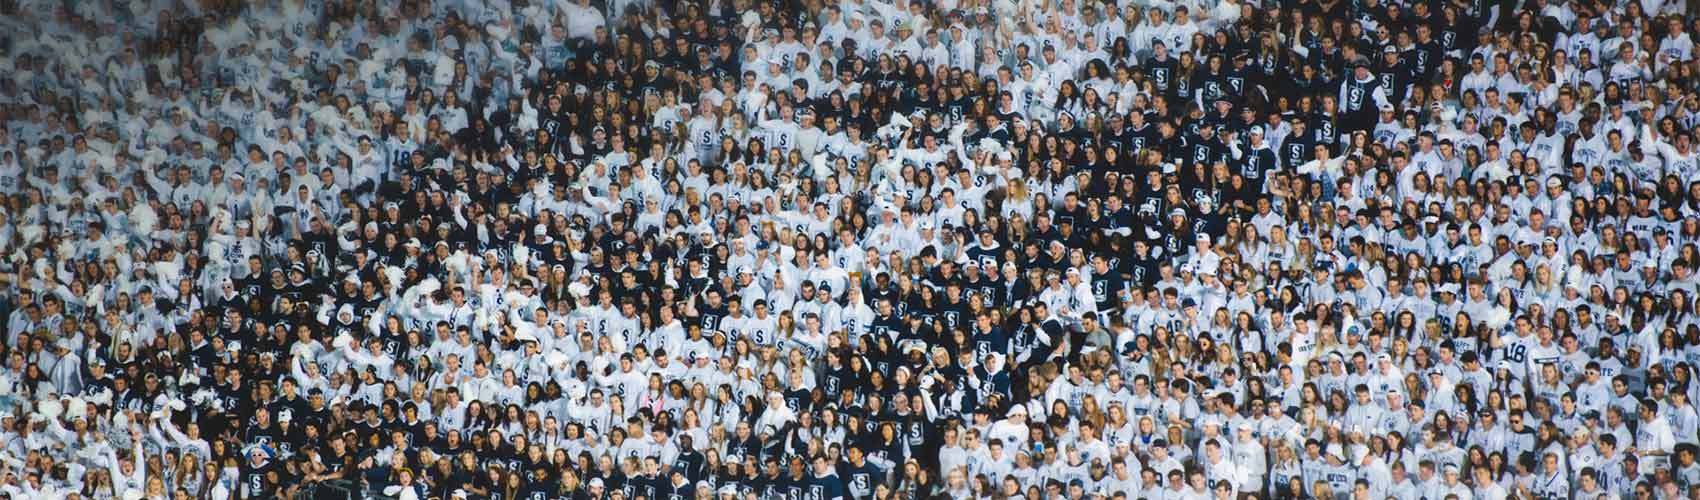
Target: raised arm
column 324, row 314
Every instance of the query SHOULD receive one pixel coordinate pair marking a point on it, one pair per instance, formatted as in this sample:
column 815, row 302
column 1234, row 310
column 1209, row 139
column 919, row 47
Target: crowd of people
column 849, row 249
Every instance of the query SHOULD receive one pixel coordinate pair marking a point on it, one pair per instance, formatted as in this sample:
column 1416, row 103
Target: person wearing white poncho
column 776, row 417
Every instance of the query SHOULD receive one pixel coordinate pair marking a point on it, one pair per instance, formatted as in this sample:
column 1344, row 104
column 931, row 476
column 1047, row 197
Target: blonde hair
column 1017, row 189
column 1320, row 489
